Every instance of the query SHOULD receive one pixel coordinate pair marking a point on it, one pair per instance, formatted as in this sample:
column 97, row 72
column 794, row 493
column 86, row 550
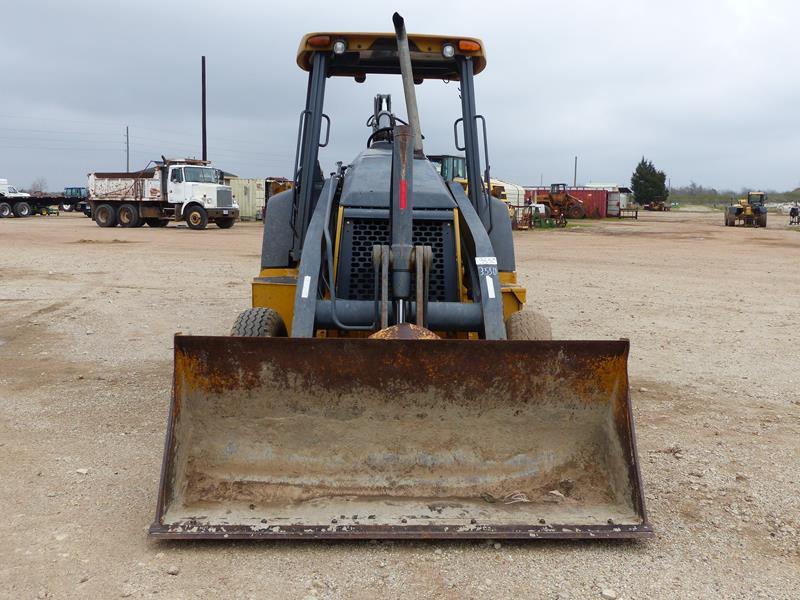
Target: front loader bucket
column 360, row 438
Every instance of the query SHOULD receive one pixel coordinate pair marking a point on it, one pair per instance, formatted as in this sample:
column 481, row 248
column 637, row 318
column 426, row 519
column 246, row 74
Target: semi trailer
column 187, row 190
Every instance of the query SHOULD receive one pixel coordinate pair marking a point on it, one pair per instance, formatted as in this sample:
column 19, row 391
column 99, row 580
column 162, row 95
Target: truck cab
column 198, row 194
column 9, row 191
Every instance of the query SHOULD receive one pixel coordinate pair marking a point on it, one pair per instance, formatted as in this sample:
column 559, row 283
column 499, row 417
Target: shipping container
column 249, row 193
column 594, row 200
column 614, row 205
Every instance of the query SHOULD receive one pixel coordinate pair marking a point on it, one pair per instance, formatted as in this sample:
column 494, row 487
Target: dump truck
column 387, row 381
column 749, row 212
column 186, row 189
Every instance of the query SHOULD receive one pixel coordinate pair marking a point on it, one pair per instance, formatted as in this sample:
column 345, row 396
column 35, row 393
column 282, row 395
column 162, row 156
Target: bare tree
column 39, row 185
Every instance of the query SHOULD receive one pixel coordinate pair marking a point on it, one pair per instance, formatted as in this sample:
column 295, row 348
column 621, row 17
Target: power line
column 44, row 139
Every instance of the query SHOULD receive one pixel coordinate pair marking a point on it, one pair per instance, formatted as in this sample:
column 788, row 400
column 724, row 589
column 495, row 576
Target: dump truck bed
column 358, row 438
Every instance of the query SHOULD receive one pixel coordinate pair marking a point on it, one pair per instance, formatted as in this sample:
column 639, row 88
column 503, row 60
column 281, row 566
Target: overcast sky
column 707, row 90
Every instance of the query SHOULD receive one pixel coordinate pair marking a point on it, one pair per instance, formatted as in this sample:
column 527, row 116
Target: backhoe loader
column 749, row 212
column 387, row 382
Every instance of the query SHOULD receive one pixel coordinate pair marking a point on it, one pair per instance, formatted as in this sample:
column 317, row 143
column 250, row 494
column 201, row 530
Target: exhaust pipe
column 404, row 55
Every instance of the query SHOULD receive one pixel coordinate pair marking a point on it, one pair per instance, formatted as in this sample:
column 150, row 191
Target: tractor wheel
column 67, row 207
column 105, row 216
column 128, row 216
column 576, row 211
column 762, row 220
column 22, row 209
column 225, row 223
column 196, row 217
column 5, row 210
column 259, row 322
column 528, row 325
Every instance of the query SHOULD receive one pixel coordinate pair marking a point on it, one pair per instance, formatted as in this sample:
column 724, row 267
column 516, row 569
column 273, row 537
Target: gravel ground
column 86, row 319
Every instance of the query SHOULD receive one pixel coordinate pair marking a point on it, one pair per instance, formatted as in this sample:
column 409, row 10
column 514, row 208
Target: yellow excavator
column 388, row 381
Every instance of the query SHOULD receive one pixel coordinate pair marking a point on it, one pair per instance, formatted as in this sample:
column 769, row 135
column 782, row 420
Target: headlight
column 448, row 51
column 339, row 46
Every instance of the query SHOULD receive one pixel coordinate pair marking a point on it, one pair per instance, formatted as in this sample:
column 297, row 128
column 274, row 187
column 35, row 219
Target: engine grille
column 355, row 277
column 224, row 198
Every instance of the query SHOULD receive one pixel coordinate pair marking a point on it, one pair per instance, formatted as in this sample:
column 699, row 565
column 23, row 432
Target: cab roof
column 368, row 53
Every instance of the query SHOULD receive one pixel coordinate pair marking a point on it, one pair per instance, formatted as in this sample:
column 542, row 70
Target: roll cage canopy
column 356, row 55
column 362, row 54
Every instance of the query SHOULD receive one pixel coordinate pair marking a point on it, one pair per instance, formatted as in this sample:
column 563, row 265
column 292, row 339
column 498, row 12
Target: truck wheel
column 196, row 217
column 225, row 223
column 66, row 207
column 5, row 210
column 528, row 325
column 128, row 216
column 259, row 322
column 22, row 209
column 105, row 215
column 156, row 222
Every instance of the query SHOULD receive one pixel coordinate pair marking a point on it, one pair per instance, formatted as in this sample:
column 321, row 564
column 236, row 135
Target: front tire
column 576, row 211
column 528, row 325
column 66, row 207
column 128, row 216
column 225, row 223
column 22, row 209
column 259, row 322
column 105, row 215
column 5, row 210
column 196, row 218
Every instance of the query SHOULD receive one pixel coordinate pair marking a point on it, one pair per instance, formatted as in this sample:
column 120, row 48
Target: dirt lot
column 86, row 319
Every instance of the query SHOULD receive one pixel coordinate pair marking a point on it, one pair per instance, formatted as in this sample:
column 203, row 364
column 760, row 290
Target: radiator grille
column 224, row 198
column 356, row 276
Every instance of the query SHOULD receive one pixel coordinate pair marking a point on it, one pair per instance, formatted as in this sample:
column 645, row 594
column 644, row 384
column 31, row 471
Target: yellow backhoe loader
column 388, row 382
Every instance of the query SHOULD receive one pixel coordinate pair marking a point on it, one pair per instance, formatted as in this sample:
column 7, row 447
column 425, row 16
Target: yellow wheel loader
column 388, row 382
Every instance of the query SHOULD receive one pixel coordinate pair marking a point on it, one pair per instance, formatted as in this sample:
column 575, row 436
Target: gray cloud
column 702, row 88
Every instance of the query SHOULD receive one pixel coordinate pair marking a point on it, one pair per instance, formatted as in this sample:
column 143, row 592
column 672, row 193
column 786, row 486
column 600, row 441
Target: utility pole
column 575, row 174
column 203, row 94
column 127, row 151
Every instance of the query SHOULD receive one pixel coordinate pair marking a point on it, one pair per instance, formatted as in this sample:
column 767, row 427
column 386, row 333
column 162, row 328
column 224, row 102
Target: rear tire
column 196, row 217
column 156, row 222
column 22, row 209
column 225, row 223
column 128, row 216
column 259, row 322
column 5, row 210
column 762, row 220
column 528, row 325
column 105, row 215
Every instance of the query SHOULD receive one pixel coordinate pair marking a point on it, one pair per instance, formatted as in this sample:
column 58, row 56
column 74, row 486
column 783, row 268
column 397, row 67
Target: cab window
column 176, row 176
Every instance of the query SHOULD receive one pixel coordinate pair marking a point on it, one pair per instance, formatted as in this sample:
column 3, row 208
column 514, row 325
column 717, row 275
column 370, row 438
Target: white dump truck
column 187, row 190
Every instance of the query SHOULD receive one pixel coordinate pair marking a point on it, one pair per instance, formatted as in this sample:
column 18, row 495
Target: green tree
column 648, row 183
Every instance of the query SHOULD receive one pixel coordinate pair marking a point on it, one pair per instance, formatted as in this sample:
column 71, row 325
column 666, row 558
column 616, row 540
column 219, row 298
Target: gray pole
column 127, row 151
column 404, row 56
column 203, row 84
column 575, row 174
